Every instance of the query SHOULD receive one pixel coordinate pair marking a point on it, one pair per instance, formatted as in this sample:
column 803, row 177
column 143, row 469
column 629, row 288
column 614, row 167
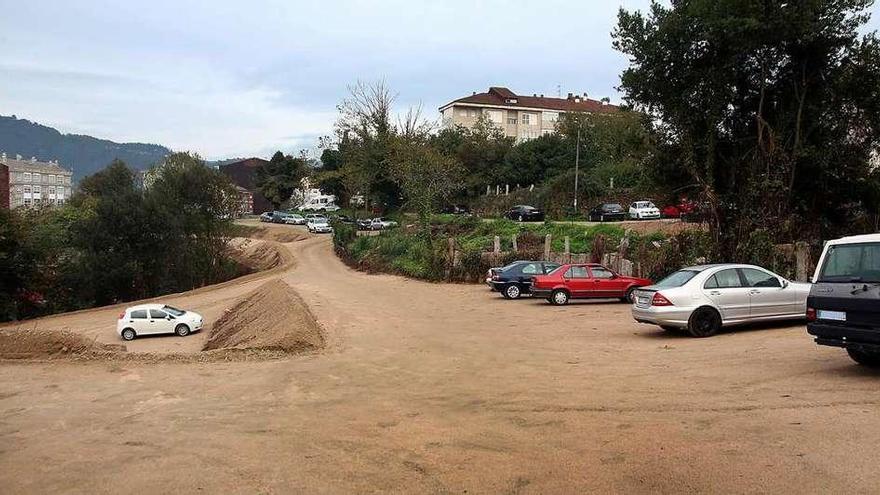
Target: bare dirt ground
column 428, row 388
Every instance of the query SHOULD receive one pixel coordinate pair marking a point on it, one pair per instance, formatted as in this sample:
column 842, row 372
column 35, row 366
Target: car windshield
column 173, row 311
column 677, row 279
column 852, row 263
column 645, row 204
column 613, row 206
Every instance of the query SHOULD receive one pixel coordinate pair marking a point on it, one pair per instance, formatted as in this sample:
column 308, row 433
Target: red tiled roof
column 502, row 97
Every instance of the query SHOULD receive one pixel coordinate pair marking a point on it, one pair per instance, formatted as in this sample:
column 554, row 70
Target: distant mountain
column 84, row 154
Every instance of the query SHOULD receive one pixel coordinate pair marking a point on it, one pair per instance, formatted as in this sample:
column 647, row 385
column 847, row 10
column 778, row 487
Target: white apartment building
column 33, row 183
column 519, row 116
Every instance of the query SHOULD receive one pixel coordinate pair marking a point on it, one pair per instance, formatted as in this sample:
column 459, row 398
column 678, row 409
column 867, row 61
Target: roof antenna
column 559, row 90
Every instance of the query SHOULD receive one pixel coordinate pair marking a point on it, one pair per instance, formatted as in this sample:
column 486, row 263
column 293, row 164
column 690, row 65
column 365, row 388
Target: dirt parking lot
column 431, row 388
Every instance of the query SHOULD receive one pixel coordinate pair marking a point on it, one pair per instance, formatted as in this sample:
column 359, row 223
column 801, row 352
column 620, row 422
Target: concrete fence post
column 497, row 245
column 507, row 189
column 803, row 263
column 515, row 247
column 547, row 241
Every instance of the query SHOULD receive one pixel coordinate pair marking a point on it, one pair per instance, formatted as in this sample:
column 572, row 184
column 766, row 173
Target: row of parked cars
column 841, row 304
column 319, row 222
column 610, row 212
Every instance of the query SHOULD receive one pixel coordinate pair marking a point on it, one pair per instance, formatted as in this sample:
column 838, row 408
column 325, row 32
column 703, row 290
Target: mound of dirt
column 271, row 318
column 50, row 344
column 256, row 255
column 281, row 233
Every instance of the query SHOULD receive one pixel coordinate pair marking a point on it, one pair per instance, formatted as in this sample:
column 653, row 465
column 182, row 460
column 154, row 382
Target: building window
column 511, row 120
column 51, row 189
column 38, row 189
column 27, row 176
column 547, row 132
column 27, row 201
column 51, row 179
column 550, row 116
column 59, row 179
column 37, row 178
column 526, row 119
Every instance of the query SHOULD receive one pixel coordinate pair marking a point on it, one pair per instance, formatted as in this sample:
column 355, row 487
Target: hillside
column 84, row 154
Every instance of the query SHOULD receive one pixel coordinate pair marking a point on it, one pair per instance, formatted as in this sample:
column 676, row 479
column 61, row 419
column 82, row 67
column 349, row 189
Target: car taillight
column 121, row 315
column 495, row 276
column 811, row 314
column 660, row 300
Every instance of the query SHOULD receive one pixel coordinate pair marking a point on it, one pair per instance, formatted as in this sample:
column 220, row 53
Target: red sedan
column 583, row 281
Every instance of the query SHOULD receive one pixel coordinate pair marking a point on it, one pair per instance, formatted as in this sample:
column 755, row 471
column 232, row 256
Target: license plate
column 643, row 299
column 831, row 315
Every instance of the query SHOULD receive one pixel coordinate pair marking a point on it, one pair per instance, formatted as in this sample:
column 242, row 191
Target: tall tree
column 278, row 179
column 770, row 107
column 426, row 177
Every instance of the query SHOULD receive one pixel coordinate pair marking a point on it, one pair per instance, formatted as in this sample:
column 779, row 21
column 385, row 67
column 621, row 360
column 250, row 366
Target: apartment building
column 33, row 183
column 519, row 116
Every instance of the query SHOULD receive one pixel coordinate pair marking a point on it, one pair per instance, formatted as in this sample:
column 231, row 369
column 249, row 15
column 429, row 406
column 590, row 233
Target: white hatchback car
column 702, row 299
column 643, row 210
column 294, row 219
column 151, row 319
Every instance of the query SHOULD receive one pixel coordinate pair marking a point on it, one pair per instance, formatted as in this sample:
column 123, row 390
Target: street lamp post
column 577, row 159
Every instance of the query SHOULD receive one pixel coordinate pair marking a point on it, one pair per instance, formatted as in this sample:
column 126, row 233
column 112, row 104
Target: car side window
column 758, row 278
column 156, row 314
column 139, row 314
column 577, row 272
column 711, row 283
column 531, row 269
column 728, row 279
column 549, row 267
column 600, row 272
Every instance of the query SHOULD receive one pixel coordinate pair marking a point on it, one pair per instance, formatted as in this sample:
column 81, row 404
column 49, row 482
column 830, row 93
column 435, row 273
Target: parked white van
column 323, row 202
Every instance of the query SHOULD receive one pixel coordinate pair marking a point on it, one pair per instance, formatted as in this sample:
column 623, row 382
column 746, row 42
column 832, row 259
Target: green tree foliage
column 114, row 241
column 426, row 177
column 278, row 179
column 771, row 108
column 480, row 149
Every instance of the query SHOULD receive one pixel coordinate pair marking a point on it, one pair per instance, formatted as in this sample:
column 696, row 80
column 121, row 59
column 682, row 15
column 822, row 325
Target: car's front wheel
column 128, row 334
column 512, row 291
column 865, row 358
column 181, row 330
column 704, row 322
column 559, row 298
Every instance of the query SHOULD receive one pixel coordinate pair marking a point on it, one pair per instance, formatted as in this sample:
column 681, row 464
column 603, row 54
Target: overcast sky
column 230, row 78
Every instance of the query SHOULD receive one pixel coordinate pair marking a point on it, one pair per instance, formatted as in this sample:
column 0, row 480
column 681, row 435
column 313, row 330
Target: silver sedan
column 703, row 299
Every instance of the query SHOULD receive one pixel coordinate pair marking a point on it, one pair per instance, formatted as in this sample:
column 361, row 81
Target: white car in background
column 382, row 223
column 152, row 319
column 643, row 210
column 703, row 299
column 319, row 225
column 294, row 219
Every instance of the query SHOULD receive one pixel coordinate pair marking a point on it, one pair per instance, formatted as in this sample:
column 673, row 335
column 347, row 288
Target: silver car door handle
column 714, row 292
column 754, row 291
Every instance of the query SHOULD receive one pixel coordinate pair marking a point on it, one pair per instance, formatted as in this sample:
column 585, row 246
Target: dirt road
column 428, row 388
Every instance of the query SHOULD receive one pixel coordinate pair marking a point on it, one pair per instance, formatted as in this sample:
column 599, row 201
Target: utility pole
column 577, row 159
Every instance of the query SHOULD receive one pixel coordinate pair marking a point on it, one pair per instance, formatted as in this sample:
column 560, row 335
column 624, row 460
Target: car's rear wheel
column 704, row 322
column 628, row 298
column 559, row 298
column 865, row 358
column 128, row 334
column 181, row 330
column 512, row 291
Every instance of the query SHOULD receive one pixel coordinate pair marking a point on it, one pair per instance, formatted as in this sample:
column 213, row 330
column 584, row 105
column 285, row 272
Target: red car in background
column 685, row 207
column 583, row 281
